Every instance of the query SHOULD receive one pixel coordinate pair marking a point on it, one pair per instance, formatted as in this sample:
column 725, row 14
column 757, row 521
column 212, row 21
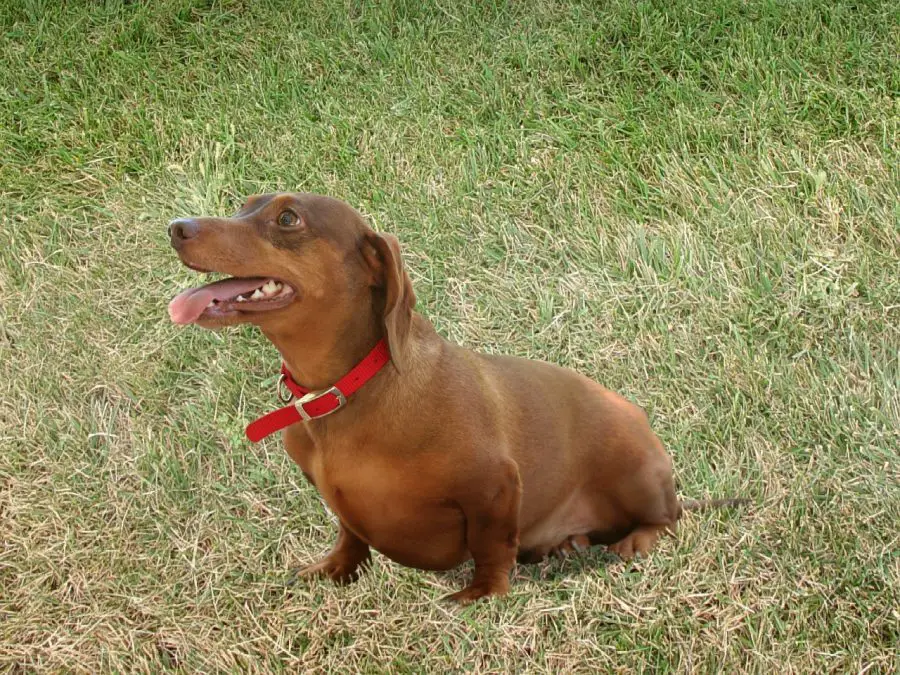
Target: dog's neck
column 319, row 357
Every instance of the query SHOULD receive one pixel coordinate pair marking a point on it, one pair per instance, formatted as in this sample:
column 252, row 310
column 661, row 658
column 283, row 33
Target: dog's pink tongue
column 186, row 307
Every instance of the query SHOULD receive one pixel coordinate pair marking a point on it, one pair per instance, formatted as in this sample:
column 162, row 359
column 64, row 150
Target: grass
column 694, row 203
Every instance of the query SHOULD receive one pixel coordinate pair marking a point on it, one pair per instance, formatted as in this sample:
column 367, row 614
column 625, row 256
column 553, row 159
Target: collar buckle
column 315, row 396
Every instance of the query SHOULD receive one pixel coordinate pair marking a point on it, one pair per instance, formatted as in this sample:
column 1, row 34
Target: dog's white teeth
column 270, row 287
column 211, row 303
column 241, row 298
column 257, row 294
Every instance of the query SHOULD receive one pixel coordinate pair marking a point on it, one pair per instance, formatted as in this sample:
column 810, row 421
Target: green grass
column 694, row 203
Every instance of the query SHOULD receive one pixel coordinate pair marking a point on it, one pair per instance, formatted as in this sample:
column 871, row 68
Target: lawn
column 696, row 204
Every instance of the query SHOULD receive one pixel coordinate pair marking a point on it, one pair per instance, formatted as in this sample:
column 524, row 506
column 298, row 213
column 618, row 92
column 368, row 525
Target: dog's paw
column 572, row 545
column 475, row 592
column 335, row 569
column 638, row 543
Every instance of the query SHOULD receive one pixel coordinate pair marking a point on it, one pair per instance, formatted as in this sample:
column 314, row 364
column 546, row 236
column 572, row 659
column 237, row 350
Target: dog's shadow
column 554, row 568
column 551, row 568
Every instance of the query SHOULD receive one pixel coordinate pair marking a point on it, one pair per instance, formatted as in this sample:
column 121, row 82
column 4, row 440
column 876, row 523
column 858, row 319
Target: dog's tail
column 699, row 505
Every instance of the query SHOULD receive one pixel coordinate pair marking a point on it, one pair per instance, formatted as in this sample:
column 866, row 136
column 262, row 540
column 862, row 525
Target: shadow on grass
column 555, row 568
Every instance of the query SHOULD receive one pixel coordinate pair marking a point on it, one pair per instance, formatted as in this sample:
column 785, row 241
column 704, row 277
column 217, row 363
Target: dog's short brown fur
column 447, row 454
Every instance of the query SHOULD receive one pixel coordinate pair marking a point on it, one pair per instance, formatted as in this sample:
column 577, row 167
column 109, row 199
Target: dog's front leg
column 492, row 531
column 343, row 561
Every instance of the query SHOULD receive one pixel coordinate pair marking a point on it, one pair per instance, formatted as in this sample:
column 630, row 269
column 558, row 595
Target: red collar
column 310, row 405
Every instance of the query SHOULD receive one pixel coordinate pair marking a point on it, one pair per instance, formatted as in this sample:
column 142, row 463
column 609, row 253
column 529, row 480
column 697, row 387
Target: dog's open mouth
column 229, row 297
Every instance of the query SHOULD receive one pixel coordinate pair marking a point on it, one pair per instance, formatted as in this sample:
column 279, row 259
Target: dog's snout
column 182, row 229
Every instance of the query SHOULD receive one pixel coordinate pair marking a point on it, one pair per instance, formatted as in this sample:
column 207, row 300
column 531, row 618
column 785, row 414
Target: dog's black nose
column 182, row 229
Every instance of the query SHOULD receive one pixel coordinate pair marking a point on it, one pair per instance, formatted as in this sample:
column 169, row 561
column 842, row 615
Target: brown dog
column 445, row 454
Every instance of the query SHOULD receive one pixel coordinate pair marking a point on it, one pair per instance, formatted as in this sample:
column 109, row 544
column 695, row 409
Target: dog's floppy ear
column 382, row 253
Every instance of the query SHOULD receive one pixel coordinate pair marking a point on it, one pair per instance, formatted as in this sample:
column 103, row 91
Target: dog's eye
column 287, row 219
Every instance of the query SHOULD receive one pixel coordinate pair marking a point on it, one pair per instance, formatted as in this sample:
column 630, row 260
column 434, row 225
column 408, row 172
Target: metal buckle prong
column 312, row 396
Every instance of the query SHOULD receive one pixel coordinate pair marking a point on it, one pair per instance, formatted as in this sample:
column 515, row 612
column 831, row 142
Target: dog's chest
column 390, row 502
column 373, row 497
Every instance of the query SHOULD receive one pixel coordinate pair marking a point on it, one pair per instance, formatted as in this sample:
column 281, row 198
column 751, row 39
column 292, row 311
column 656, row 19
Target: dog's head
column 291, row 260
